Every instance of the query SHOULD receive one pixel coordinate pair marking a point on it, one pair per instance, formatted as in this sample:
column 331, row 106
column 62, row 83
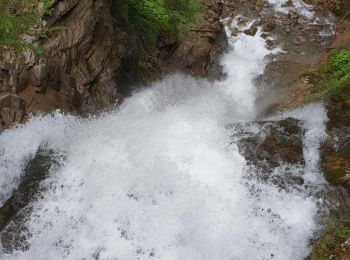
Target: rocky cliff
column 90, row 54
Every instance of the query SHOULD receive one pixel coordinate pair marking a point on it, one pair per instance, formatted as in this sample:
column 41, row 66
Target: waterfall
column 162, row 177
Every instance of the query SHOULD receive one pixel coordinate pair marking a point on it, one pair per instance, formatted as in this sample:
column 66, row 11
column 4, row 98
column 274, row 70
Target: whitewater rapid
column 161, row 177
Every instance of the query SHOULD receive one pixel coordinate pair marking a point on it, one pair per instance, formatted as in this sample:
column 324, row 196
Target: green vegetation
column 150, row 18
column 334, row 76
column 336, row 232
column 18, row 17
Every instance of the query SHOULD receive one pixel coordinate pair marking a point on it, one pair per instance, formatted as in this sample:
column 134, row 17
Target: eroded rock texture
column 198, row 52
column 82, row 51
column 88, row 53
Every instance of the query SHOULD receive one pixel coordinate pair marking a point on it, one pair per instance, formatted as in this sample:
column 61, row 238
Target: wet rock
column 333, row 5
column 276, row 143
column 271, row 44
column 337, row 168
column 251, row 31
column 234, row 32
column 289, row 3
column 198, row 53
column 81, row 58
column 335, row 152
column 260, row 5
column 84, row 58
column 268, row 25
column 14, row 71
column 293, row 15
column 12, row 110
column 16, row 209
column 37, row 74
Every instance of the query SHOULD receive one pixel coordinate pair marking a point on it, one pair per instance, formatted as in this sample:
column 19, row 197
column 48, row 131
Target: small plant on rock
column 18, row 17
column 334, row 75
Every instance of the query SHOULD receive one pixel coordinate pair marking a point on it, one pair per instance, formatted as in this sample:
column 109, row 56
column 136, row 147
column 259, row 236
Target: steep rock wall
column 85, row 48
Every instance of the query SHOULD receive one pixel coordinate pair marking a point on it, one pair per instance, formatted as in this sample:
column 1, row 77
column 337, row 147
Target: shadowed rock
column 17, row 208
column 335, row 152
column 12, row 110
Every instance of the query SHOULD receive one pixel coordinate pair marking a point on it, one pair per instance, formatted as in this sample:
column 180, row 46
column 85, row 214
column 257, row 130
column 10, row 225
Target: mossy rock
column 335, row 151
column 336, row 169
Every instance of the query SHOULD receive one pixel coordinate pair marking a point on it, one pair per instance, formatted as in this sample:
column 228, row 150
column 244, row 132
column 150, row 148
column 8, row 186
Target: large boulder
column 276, row 143
column 335, row 152
column 273, row 151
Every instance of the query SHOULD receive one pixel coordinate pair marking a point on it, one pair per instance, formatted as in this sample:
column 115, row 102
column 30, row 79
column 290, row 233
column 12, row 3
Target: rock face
column 86, row 49
column 336, row 149
column 12, row 110
column 197, row 54
column 79, row 59
column 274, row 152
column 83, row 57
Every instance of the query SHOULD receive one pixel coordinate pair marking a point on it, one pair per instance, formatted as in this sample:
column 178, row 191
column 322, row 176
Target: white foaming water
column 161, row 178
column 314, row 117
column 297, row 5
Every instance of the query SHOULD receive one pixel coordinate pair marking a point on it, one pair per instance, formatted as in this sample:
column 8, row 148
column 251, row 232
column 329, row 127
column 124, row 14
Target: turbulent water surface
column 162, row 177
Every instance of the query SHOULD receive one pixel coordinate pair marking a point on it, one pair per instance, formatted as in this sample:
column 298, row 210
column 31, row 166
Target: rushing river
column 161, row 176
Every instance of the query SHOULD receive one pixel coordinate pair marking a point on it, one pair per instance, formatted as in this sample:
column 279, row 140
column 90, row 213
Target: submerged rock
column 276, row 143
column 251, row 31
column 16, row 209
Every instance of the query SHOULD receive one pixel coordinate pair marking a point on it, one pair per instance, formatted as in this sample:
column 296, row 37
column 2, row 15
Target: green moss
column 336, row 232
column 148, row 18
column 333, row 77
column 336, row 168
column 141, row 66
column 18, row 17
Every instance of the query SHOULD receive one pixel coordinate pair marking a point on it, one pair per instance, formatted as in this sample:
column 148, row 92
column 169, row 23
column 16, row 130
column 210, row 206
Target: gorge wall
column 210, row 142
column 90, row 54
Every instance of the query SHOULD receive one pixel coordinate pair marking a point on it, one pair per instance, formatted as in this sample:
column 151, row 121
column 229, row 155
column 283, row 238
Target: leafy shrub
column 182, row 13
column 149, row 18
column 337, row 61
